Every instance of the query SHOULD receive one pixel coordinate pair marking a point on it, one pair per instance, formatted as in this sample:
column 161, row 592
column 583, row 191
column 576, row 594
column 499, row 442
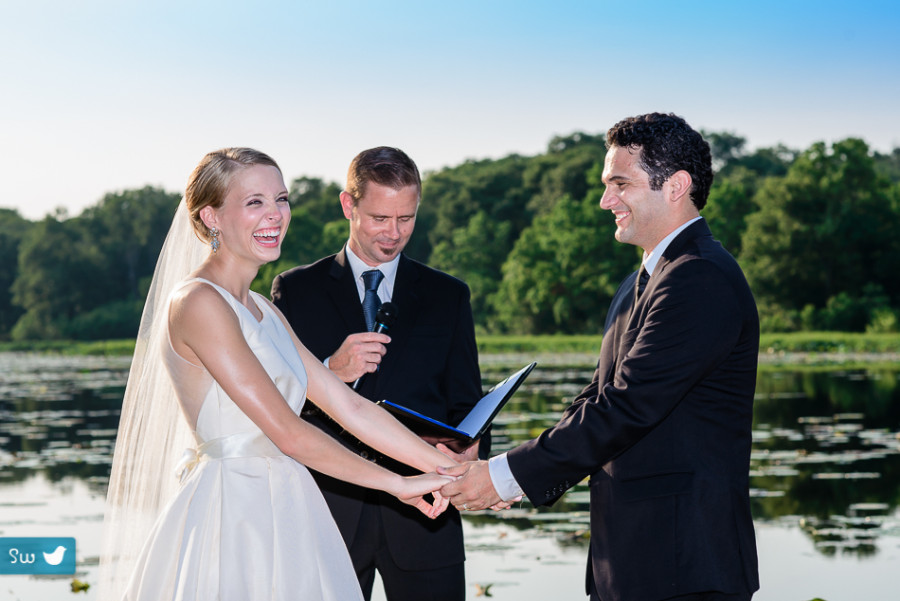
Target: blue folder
column 474, row 425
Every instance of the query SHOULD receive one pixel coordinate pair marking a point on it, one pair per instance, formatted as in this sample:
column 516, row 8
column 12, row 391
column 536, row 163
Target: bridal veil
column 152, row 432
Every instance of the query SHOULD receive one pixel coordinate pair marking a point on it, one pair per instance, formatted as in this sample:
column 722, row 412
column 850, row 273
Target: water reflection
column 58, row 416
column 826, row 452
column 826, row 456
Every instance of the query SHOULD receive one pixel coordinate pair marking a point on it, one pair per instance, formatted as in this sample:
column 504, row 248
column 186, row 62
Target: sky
column 100, row 96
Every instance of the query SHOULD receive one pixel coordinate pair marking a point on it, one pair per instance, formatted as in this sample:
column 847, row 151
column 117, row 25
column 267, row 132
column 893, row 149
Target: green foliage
column 888, row 165
column 56, row 261
column 564, row 170
column 318, row 199
column 816, row 232
column 70, row 267
column 729, row 153
column 127, row 229
column 31, row 327
column 774, row 318
column 303, row 244
column 563, row 271
column 116, row 320
column 509, row 190
column 475, row 255
column 829, row 342
column 725, row 147
column 827, row 227
column 846, row 312
column 450, row 197
column 764, row 162
column 883, row 320
column 124, row 347
column 493, row 344
column 334, row 235
column 13, row 228
column 730, row 202
column 309, row 242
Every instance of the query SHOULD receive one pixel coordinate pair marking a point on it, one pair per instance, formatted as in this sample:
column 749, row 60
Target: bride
column 246, row 520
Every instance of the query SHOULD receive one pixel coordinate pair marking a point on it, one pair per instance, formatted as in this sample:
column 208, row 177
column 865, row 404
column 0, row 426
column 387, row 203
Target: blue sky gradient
column 104, row 95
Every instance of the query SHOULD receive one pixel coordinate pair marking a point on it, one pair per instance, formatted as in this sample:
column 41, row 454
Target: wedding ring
column 465, row 507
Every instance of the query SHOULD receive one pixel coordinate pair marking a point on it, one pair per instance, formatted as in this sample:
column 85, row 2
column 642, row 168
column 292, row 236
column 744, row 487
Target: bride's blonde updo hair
column 209, row 182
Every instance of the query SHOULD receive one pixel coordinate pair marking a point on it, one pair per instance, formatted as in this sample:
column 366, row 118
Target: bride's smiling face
column 254, row 214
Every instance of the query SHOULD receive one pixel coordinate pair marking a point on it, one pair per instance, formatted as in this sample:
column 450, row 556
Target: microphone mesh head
column 386, row 314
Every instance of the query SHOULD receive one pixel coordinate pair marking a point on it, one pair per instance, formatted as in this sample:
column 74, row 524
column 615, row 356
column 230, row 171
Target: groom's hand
column 473, row 488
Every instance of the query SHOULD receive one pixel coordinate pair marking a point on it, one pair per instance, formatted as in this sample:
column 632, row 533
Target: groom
column 664, row 429
column 427, row 361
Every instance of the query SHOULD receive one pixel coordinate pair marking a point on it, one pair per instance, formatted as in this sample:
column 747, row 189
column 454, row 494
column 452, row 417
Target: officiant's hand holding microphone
column 361, row 353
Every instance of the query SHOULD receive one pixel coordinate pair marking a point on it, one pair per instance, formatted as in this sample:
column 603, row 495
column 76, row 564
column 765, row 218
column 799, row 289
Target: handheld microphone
column 384, row 319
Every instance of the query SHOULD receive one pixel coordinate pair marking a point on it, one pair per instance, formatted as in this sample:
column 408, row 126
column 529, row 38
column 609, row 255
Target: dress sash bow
column 243, row 444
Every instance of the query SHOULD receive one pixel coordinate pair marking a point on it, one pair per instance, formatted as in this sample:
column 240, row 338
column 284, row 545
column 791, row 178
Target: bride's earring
column 214, row 239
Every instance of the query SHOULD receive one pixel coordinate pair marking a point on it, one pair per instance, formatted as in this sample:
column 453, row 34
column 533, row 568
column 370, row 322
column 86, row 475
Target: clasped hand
column 441, row 502
column 414, row 488
column 468, row 486
column 472, row 487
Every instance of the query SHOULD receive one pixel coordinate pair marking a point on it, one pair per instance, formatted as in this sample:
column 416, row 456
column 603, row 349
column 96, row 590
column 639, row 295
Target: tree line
column 817, row 233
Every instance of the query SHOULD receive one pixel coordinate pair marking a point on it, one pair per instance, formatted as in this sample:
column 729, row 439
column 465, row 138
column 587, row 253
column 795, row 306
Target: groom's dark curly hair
column 667, row 144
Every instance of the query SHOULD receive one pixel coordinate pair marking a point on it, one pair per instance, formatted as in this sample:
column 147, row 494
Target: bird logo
column 55, row 558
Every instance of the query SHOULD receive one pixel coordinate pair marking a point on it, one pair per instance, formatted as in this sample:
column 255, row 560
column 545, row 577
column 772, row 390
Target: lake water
column 825, row 479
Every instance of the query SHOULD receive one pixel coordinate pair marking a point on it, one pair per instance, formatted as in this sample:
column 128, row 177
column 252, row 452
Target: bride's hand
column 414, row 488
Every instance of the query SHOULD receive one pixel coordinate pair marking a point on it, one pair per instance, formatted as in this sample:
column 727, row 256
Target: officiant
column 426, row 360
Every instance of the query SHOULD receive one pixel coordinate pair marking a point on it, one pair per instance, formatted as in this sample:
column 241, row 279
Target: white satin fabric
column 248, row 522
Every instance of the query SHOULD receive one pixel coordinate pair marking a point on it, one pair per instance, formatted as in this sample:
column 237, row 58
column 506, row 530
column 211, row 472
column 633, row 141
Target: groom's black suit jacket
column 664, row 432
column 431, row 366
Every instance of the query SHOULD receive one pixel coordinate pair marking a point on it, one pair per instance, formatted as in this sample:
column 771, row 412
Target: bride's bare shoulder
column 196, row 299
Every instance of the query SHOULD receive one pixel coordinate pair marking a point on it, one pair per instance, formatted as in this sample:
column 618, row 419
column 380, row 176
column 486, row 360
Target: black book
column 474, row 425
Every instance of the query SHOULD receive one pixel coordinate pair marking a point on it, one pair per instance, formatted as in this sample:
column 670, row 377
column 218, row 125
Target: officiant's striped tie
column 371, row 302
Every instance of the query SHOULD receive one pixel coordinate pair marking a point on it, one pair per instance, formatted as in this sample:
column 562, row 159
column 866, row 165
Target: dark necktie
column 642, row 279
column 371, row 302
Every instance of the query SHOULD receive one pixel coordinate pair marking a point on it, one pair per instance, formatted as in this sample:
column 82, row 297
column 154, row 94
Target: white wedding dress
column 248, row 523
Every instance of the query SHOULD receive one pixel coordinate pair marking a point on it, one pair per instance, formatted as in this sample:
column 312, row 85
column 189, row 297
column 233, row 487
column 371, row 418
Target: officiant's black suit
column 664, row 432
column 431, row 366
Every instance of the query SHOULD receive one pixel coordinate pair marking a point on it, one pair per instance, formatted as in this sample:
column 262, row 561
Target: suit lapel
column 618, row 321
column 626, row 315
column 344, row 295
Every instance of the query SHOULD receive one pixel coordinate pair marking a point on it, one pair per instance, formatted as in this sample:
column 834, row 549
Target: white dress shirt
column 389, row 269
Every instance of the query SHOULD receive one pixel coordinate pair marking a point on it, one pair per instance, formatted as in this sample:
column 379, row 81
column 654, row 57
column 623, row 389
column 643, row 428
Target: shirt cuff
column 502, row 478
